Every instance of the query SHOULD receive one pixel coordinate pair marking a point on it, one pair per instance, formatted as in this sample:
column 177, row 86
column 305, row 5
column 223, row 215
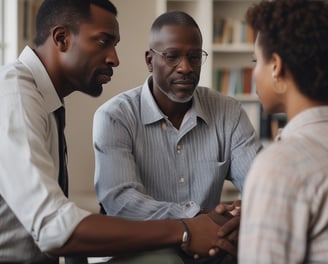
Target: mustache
column 105, row 71
column 185, row 80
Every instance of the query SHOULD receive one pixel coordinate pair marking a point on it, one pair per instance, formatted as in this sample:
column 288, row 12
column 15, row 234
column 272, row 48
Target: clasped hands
column 226, row 216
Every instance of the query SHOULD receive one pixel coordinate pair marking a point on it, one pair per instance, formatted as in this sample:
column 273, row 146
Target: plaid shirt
column 285, row 202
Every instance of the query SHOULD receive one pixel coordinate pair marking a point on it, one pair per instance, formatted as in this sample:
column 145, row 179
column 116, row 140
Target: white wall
column 135, row 19
column 9, row 35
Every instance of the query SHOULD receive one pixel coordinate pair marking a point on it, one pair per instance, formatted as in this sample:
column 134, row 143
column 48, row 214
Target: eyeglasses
column 174, row 57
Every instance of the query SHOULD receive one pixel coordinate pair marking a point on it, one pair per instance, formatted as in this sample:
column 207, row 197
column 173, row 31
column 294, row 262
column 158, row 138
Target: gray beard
column 175, row 99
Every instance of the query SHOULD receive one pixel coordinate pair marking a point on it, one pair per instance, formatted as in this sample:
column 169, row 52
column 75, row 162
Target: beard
column 94, row 88
column 174, row 98
column 96, row 91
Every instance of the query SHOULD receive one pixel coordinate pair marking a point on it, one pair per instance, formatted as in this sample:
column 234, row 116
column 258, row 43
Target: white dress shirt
column 35, row 215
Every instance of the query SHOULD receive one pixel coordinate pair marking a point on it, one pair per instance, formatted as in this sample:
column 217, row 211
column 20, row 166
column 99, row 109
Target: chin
column 94, row 91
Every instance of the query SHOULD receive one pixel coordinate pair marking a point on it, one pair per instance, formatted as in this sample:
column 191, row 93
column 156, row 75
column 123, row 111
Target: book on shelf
column 235, row 81
column 277, row 121
column 270, row 124
column 230, row 31
column 252, row 110
column 265, row 126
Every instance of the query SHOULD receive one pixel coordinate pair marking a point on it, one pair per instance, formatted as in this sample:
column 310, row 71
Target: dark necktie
column 63, row 175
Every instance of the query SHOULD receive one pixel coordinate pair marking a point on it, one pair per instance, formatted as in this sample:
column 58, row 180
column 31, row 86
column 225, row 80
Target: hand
column 229, row 229
column 236, row 208
column 228, row 217
column 224, row 212
column 203, row 233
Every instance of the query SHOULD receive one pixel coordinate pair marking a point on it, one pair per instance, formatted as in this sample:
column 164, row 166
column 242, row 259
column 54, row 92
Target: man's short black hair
column 106, row 4
column 177, row 18
column 70, row 13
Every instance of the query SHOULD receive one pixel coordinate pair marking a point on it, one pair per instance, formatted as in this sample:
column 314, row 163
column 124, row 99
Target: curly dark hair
column 70, row 13
column 297, row 30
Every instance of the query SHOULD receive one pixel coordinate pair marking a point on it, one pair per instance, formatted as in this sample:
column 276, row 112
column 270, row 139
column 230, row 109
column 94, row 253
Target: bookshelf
column 229, row 43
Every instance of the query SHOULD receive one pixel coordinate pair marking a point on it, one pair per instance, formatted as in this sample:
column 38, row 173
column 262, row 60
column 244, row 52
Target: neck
column 174, row 111
column 50, row 61
column 298, row 103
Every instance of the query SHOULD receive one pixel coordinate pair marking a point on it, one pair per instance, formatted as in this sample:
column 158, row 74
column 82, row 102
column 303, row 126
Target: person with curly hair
column 285, row 200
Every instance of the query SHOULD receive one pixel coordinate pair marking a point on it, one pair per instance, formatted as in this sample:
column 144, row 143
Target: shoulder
column 224, row 111
column 123, row 108
column 120, row 103
column 275, row 153
column 15, row 77
column 19, row 87
column 217, row 104
column 206, row 93
column 279, row 166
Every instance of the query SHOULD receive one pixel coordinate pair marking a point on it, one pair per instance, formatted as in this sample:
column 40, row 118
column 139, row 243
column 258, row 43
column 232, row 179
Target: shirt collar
column 306, row 117
column 150, row 112
column 42, row 80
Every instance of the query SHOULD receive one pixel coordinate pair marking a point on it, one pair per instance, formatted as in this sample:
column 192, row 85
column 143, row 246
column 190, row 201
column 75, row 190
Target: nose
column 112, row 57
column 184, row 65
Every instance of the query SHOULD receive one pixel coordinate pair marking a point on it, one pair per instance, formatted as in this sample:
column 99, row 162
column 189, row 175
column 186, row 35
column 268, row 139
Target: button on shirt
column 285, row 204
column 34, row 213
column 148, row 169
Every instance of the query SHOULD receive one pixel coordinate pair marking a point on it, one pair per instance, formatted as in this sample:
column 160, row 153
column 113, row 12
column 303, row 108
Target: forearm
column 132, row 204
column 98, row 235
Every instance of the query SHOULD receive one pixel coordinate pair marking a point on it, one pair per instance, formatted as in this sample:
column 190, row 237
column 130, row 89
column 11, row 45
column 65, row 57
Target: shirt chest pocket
column 208, row 178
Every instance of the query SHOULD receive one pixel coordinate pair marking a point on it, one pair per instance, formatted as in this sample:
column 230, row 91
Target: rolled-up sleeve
column 29, row 171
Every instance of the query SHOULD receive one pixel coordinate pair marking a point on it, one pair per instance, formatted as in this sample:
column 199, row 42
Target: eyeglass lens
column 174, row 57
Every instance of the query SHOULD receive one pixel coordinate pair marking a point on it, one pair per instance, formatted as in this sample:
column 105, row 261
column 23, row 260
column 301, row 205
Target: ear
column 277, row 65
column 148, row 59
column 60, row 36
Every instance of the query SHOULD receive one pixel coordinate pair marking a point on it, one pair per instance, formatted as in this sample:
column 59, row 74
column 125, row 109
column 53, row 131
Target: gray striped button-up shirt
column 147, row 169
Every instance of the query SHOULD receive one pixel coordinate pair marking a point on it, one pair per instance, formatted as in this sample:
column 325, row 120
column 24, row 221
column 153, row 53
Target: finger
column 222, row 208
column 227, row 246
column 213, row 251
column 236, row 208
column 236, row 211
column 219, row 219
column 237, row 203
column 229, row 226
column 233, row 236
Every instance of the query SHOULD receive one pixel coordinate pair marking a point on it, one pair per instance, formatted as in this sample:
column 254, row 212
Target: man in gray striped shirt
column 164, row 149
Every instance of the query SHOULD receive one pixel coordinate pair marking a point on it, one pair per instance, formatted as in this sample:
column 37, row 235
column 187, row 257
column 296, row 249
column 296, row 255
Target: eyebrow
column 177, row 49
column 110, row 36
